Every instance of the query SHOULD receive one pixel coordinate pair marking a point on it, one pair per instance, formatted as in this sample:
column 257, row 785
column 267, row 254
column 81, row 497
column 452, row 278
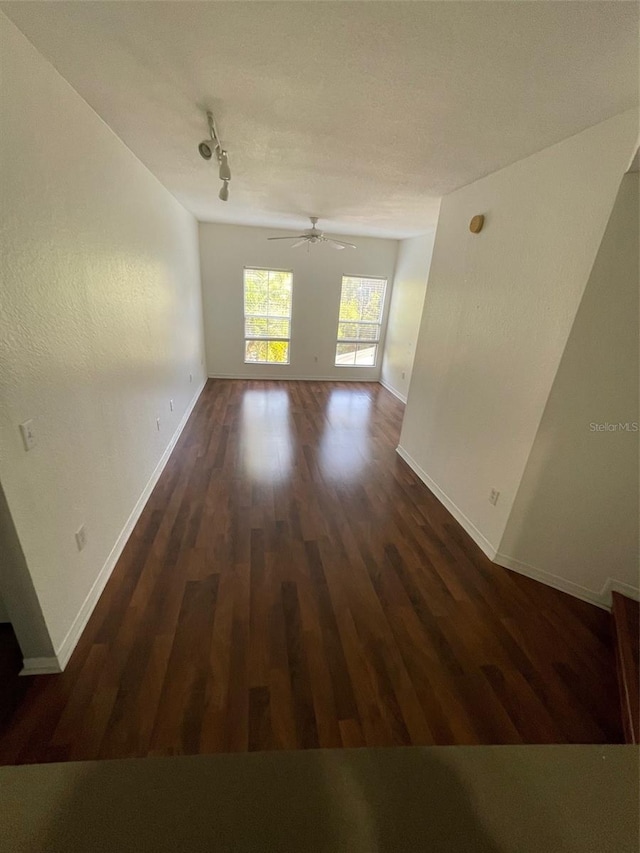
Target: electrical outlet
column 158, row 424
column 27, row 430
column 493, row 496
column 171, row 404
column 81, row 538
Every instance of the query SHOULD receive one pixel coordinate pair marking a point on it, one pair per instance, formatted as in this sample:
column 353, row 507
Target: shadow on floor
column 481, row 799
column 303, row 802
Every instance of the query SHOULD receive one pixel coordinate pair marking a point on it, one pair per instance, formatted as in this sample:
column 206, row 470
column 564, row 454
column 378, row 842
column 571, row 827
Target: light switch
column 27, row 430
column 81, row 538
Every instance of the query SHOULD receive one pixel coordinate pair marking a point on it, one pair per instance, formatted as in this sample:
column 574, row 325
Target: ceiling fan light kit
column 212, row 146
column 314, row 235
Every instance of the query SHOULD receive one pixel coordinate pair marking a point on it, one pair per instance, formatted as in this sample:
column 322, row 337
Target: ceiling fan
column 314, row 235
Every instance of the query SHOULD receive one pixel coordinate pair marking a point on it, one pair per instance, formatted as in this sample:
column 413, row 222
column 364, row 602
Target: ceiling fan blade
column 340, row 244
column 300, row 243
column 292, row 237
column 334, row 245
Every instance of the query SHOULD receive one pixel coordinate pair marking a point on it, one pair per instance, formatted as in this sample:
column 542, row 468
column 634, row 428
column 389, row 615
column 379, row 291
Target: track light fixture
column 211, row 146
column 225, row 171
column 206, row 150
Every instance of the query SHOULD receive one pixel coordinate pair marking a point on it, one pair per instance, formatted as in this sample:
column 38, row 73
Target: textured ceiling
column 361, row 113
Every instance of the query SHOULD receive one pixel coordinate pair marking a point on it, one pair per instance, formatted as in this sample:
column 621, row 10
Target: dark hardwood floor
column 625, row 615
column 292, row 584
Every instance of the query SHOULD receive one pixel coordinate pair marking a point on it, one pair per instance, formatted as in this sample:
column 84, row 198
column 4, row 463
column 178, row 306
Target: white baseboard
column 600, row 599
column 395, row 393
column 41, row 666
column 268, row 377
column 455, row 511
column 612, row 585
column 557, row 582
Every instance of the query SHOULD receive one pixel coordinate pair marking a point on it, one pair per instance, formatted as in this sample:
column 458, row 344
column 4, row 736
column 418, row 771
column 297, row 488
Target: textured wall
column 405, row 312
column 576, row 512
column 101, row 326
column 498, row 312
column 20, row 603
column 317, row 279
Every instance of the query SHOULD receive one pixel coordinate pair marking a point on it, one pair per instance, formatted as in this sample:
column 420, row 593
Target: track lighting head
column 225, row 171
column 206, row 149
column 210, row 147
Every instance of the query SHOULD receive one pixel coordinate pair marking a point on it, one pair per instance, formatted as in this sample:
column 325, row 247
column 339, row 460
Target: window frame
column 247, row 338
column 380, row 324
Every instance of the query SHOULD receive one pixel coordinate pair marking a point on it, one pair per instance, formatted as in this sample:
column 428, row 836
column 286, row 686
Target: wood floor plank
column 291, row 584
column 305, row 718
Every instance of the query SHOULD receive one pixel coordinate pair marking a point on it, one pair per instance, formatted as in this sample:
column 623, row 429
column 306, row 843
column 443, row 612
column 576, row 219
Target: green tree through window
column 359, row 324
column 267, row 316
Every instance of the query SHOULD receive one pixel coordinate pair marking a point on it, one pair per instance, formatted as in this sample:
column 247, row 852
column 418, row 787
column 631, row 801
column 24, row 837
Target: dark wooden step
column 626, row 629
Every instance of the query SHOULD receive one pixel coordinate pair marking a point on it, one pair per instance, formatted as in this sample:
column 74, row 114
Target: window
column 267, row 316
column 361, row 305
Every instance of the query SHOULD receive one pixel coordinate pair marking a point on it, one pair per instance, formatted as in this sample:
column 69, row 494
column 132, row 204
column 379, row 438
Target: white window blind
column 360, row 320
column 267, row 316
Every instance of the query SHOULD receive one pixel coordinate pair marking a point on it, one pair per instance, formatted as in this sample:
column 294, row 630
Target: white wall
column 21, row 605
column 498, row 312
column 101, row 325
column 405, row 311
column 317, row 279
column 575, row 516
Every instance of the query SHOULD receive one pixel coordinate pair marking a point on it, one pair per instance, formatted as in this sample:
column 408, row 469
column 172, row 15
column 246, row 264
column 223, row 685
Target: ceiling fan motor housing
column 314, row 235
